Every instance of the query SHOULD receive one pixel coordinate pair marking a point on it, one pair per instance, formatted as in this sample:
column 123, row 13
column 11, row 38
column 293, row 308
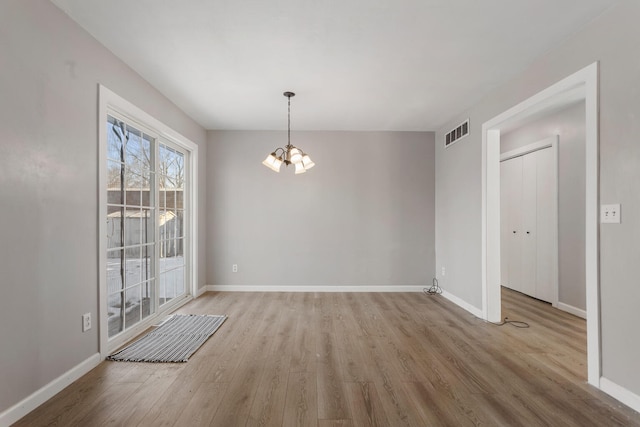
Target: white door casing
column 585, row 80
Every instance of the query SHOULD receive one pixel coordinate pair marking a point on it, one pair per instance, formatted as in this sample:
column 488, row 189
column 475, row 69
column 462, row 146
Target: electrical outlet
column 443, row 271
column 610, row 214
column 86, row 322
column 234, row 268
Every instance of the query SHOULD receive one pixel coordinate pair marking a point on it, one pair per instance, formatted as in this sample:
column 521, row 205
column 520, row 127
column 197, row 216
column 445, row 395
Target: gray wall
column 611, row 39
column 49, row 75
column 569, row 125
column 363, row 216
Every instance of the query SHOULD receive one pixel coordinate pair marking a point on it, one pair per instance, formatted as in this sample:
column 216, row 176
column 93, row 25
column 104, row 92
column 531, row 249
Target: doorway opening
column 584, row 83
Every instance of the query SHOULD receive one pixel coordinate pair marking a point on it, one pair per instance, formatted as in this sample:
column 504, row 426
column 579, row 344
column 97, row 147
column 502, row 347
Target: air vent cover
column 457, row 134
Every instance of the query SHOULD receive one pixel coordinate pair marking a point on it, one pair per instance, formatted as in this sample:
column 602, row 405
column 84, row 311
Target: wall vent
column 457, row 134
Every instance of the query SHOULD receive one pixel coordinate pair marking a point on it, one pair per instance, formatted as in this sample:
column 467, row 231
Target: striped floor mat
column 173, row 341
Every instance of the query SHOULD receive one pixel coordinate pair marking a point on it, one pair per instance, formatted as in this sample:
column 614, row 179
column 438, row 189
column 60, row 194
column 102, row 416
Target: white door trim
column 530, row 148
column 585, row 79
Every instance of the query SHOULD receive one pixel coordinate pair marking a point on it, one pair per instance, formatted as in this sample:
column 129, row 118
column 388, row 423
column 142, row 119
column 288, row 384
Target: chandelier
column 289, row 154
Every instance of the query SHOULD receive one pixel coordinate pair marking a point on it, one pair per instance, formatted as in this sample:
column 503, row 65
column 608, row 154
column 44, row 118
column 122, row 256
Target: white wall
column 569, row 125
column 49, row 75
column 611, row 39
column 363, row 216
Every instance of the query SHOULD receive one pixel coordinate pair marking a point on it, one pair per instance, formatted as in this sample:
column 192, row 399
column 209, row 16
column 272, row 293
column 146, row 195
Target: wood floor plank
column 347, row 359
column 398, row 405
column 100, row 411
column 459, row 405
column 301, row 408
column 270, row 311
column 355, row 365
column 202, row 406
column 171, row 404
column 505, row 410
column 365, row 404
column 367, row 319
column 332, row 403
column 268, row 402
column 236, row 334
column 137, row 407
column 303, row 356
column 236, row 404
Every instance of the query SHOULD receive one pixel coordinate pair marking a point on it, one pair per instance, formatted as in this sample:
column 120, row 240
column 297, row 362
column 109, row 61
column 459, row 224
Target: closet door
column 529, row 222
column 546, row 203
column 528, row 209
column 511, row 223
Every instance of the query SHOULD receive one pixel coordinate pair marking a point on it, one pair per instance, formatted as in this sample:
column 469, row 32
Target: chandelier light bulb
column 272, row 162
column 299, row 168
column 295, row 156
column 307, row 162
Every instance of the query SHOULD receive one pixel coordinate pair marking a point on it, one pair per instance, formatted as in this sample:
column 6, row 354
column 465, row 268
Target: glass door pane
column 131, row 216
column 171, row 222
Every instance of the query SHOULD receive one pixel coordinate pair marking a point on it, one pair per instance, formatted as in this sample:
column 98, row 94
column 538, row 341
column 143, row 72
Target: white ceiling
column 354, row 64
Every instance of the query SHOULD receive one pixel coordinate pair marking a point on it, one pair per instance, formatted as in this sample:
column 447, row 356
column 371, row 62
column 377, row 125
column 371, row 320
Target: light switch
column 610, row 214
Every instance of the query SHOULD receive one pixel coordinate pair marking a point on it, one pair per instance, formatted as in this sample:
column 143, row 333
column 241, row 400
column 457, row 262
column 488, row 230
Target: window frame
column 112, row 104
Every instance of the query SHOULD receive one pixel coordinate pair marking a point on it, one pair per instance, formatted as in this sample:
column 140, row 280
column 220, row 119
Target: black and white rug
column 175, row 340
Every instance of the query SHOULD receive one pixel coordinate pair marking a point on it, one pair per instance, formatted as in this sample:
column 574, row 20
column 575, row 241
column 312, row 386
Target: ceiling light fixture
column 289, row 154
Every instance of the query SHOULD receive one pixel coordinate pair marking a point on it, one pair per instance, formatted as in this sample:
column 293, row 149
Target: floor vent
column 457, row 134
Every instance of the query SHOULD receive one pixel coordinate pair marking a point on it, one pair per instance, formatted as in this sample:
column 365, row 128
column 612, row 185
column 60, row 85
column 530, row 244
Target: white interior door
column 511, row 179
column 529, row 215
column 528, row 210
column 547, row 208
column 504, row 230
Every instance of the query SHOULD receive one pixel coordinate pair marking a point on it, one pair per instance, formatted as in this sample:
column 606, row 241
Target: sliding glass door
column 146, row 187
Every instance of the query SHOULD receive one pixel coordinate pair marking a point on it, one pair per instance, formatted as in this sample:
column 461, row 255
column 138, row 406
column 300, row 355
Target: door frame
column 585, row 80
column 109, row 101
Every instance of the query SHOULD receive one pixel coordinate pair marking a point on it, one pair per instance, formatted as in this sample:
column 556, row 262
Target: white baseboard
column 620, row 393
column 40, row 396
column 463, row 304
column 201, row 291
column 572, row 310
column 376, row 288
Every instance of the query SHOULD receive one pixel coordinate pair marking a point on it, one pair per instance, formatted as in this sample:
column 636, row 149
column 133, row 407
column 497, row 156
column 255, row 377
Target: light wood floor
column 352, row 359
